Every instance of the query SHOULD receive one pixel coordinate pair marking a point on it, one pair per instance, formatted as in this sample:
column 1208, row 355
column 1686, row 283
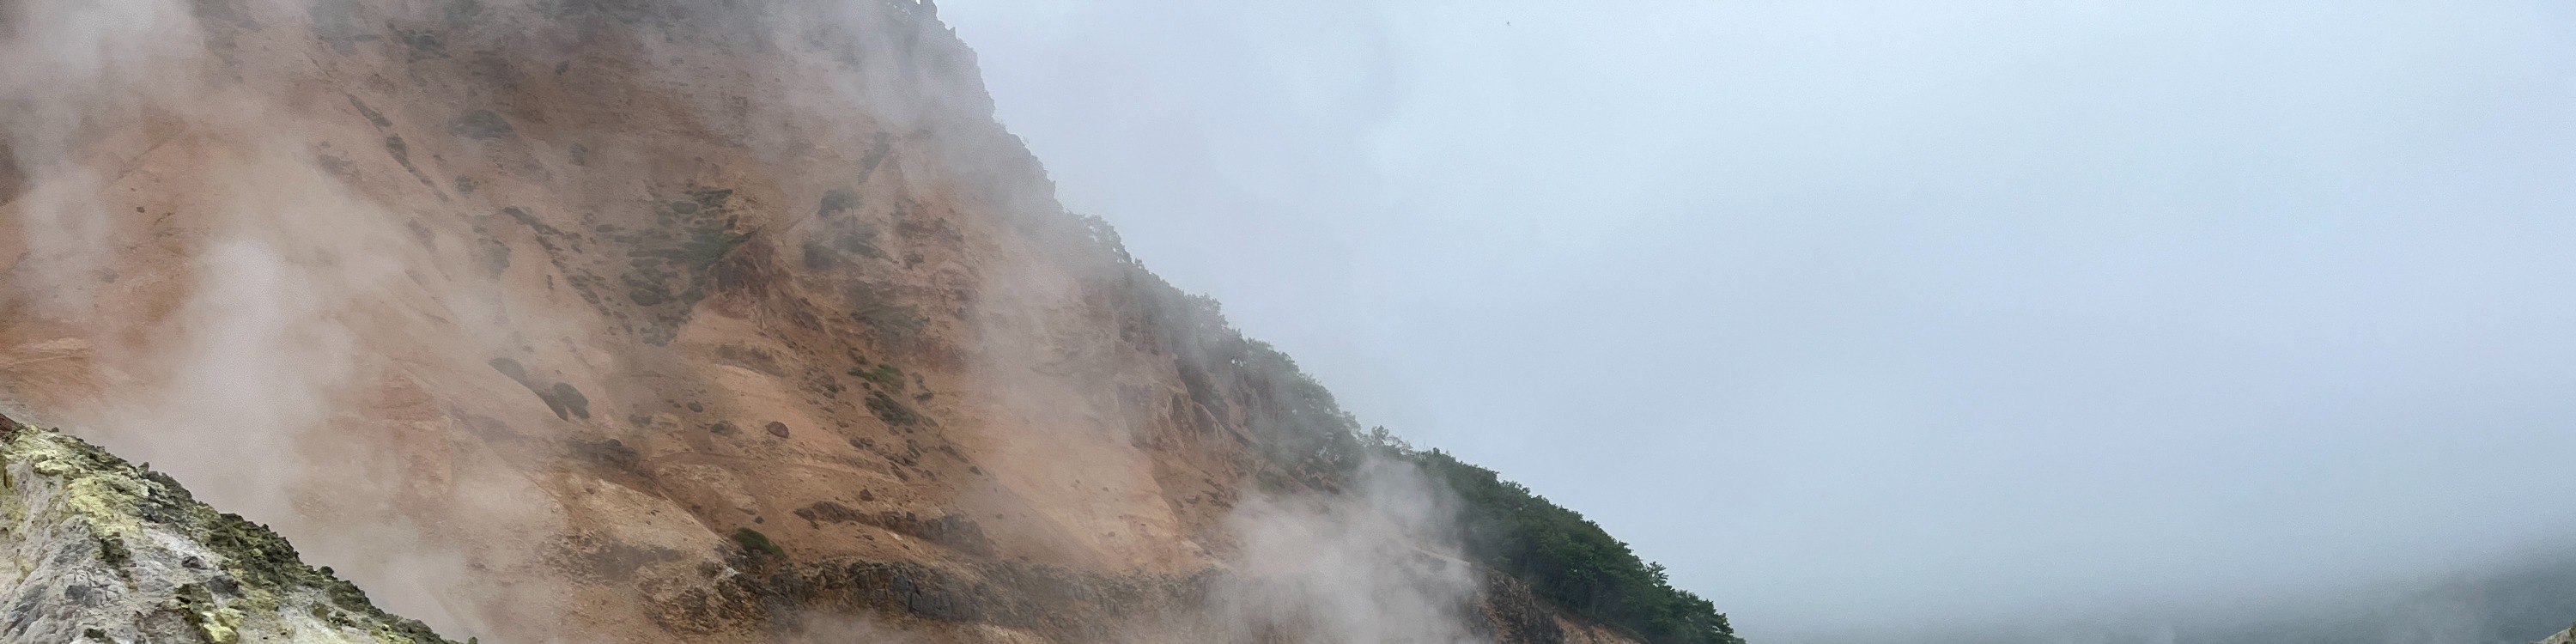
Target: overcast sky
column 1870, row 314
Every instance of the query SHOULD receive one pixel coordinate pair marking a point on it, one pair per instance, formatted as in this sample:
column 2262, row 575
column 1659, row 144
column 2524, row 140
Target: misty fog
column 1875, row 319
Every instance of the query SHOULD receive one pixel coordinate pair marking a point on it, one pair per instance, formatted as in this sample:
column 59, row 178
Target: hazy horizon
column 1868, row 318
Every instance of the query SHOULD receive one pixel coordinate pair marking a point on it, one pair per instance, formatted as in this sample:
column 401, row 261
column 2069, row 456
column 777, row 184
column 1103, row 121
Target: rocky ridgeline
column 2563, row 637
column 100, row 550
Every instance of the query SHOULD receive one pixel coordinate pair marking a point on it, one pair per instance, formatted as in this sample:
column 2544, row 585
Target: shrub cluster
column 1569, row 560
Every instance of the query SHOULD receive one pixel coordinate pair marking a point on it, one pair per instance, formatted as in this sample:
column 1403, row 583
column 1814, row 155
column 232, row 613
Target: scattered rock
column 948, row 530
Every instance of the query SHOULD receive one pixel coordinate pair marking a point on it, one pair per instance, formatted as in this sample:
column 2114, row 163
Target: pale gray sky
column 1868, row 315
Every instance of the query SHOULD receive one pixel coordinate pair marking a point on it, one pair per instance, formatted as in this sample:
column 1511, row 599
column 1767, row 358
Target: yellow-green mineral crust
column 100, row 550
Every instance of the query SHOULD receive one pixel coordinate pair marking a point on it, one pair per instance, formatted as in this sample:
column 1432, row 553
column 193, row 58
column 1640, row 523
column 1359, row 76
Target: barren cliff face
column 646, row 320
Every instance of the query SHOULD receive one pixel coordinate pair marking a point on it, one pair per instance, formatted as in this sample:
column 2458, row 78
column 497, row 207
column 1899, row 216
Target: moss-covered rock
column 110, row 551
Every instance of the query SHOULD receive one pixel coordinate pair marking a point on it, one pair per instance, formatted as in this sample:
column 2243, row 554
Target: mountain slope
column 649, row 320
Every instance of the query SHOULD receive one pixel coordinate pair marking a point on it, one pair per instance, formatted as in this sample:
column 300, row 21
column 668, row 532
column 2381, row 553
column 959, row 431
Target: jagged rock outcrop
column 2563, row 637
column 100, row 550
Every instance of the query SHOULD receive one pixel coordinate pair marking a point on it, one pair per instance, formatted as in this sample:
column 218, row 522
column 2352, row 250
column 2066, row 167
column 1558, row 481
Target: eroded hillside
column 645, row 320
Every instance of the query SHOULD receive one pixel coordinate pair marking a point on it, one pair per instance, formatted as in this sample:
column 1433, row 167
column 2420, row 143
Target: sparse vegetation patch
column 757, row 543
column 1567, row 559
column 892, row 411
column 837, row 201
column 884, row 375
column 671, row 266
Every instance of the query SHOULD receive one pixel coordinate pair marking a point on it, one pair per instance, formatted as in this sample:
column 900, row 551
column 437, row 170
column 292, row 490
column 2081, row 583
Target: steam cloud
column 236, row 316
column 1353, row 567
column 274, row 339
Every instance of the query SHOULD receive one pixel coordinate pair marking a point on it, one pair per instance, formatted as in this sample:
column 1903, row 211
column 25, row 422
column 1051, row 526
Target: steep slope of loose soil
column 648, row 320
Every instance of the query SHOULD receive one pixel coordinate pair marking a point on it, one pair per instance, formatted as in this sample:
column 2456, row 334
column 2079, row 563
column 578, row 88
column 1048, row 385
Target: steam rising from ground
column 234, row 313
column 1353, row 567
column 78, row 72
column 276, row 339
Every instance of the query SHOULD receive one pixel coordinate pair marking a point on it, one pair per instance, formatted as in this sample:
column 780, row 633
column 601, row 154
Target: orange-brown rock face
column 647, row 320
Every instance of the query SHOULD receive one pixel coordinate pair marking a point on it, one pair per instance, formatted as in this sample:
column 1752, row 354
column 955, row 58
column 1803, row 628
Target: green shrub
column 891, row 411
column 1567, row 559
column 758, row 543
column 884, row 375
column 705, row 246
